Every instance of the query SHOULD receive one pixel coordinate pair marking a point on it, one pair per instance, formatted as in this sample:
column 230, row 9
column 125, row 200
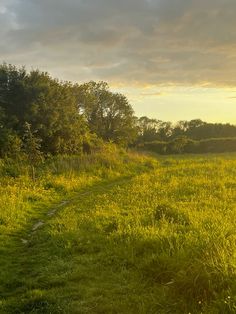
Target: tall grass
column 57, row 178
column 162, row 241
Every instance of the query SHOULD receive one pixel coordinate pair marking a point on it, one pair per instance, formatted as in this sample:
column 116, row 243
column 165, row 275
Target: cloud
column 135, row 42
column 150, row 94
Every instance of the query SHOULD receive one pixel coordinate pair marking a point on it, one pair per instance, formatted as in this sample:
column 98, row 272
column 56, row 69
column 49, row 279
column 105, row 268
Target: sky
column 173, row 59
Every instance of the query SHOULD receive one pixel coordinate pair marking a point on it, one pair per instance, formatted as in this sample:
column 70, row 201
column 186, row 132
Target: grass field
column 137, row 235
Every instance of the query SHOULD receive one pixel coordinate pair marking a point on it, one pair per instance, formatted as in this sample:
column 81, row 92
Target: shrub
column 186, row 145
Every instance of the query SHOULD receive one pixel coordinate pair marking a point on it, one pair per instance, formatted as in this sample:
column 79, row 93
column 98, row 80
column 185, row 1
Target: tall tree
column 148, row 129
column 48, row 105
column 108, row 114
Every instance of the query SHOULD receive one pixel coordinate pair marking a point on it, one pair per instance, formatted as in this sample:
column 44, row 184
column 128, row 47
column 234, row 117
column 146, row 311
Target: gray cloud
column 189, row 42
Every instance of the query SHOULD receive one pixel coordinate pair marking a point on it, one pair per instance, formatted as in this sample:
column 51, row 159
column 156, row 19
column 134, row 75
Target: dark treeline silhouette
column 42, row 116
column 156, row 130
column 195, row 136
column 185, row 145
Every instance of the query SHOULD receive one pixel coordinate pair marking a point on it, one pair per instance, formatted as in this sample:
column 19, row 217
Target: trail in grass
column 161, row 241
column 23, row 255
column 100, row 187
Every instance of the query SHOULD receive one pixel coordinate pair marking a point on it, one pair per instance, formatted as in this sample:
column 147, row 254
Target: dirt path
column 100, row 187
column 24, row 249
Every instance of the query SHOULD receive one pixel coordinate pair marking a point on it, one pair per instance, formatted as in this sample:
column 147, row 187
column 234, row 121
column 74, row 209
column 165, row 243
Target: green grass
column 137, row 236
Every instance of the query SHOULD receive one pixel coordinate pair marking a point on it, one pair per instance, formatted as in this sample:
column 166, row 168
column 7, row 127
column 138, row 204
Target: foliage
column 10, row 144
column 32, row 145
column 152, row 130
column 48, row 105
column 108, row 114
column 74, row 119
column 215, row 145
column 186, row 145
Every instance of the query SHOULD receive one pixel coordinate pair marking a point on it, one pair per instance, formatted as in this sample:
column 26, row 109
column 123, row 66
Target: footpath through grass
column 162, row 241
column 23, row 203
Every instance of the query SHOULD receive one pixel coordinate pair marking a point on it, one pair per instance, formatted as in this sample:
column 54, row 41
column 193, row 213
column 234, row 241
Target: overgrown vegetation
column 135, row 237
column 58, row 178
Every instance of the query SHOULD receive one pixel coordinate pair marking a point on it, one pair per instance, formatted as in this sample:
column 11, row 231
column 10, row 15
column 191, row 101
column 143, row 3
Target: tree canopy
column 108, row 114
column 69, row 118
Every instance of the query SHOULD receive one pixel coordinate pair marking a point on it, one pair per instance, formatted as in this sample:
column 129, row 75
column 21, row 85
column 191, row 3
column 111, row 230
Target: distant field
column 142, row 236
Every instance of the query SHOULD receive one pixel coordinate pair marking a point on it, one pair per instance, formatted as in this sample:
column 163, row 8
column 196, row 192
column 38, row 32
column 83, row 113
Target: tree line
column 156, row 130
column 41, row 116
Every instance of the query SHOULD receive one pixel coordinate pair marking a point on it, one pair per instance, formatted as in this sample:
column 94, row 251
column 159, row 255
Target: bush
column 217, row 145
column 186, row 145
column 155, row 147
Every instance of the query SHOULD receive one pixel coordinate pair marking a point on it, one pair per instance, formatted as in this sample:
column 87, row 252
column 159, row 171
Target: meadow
column 120, row 233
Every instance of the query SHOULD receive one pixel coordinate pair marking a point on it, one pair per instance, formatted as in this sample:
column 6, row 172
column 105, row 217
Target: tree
column 54, row 112
column 108, row 114
column 10, row 142
column 148, row 129
column 13, row 94
column 48, row 105
column 165, row 131
column 32, row 145
column 177, row 146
